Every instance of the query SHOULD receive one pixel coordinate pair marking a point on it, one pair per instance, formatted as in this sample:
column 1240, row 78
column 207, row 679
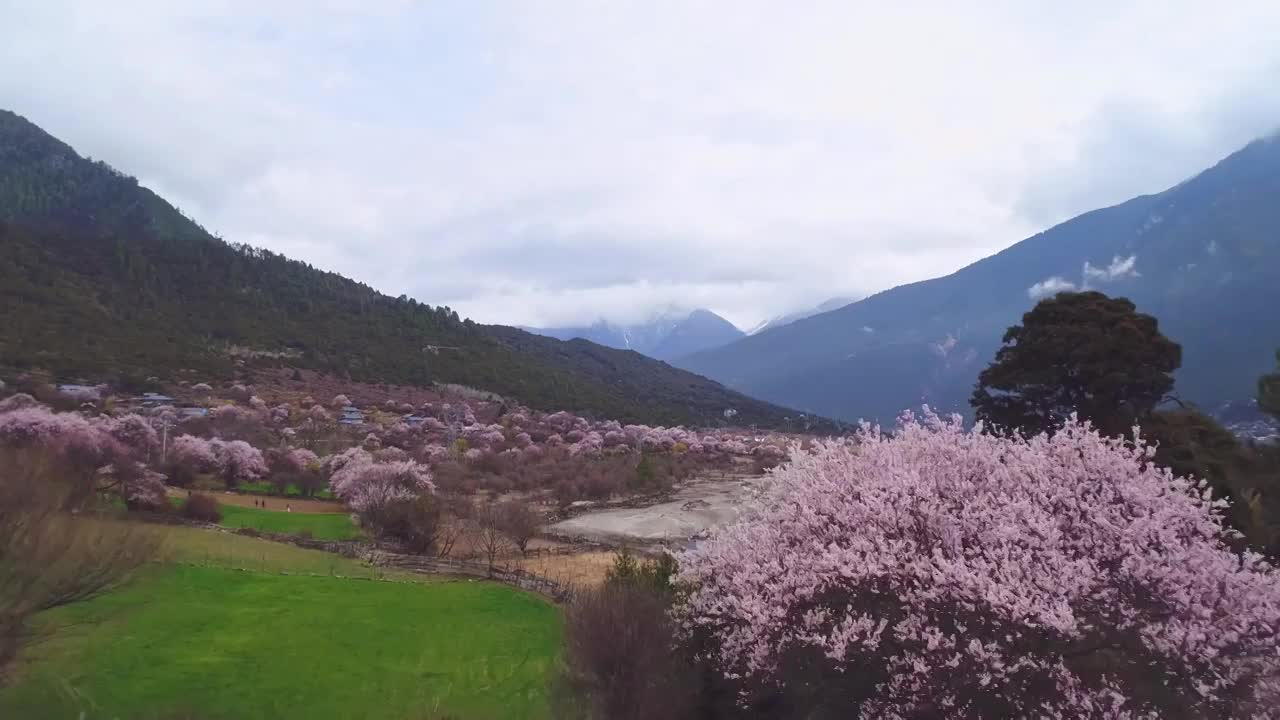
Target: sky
column 551, row 163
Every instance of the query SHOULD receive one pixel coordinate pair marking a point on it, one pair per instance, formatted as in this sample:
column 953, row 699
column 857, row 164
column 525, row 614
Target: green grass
column 185, row 641
column 195, row 546
column 263, row 487
column 322, row 526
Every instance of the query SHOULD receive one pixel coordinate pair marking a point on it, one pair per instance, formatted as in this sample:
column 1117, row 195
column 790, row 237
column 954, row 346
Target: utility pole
column 164, row 438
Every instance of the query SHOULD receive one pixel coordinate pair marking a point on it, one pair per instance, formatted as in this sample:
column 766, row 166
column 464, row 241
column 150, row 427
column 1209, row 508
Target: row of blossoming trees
column 469, row 445
column 107, row 454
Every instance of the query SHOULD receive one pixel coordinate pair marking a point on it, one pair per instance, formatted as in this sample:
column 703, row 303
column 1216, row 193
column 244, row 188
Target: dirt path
column 272, row 503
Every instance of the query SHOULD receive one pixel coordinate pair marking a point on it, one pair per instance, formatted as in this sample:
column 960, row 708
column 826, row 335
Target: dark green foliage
column 644, row 473
column 103, row 279
column 1193, row 444
column 655, row 575
column 1078, row 352
column 1269, row 390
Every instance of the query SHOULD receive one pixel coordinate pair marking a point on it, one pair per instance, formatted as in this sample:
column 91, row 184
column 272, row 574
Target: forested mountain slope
column 103, row 278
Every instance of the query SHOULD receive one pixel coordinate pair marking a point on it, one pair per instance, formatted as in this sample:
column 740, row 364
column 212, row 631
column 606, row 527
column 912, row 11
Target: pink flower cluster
column 301, row 459
column 194, row 453
column 508, row 429
column 17, row 401
column 961, row 575
column 241, row 462
column 236, row 460
column 107, row 447
column 68, row 433
column 365, row 484
column 133, row 431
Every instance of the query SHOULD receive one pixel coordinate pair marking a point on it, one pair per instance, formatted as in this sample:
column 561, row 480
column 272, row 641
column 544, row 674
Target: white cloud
column 943, row 347
column 1119, row 268
column 542, row 164
column 1050, row 286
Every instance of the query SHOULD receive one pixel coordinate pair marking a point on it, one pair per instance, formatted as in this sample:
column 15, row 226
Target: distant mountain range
column 1246, row 420
column 105, row 280
column 1203, row 257
column 665, row 336
column 779, row 321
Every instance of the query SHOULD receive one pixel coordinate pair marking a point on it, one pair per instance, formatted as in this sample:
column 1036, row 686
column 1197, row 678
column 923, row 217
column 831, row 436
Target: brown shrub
column 50, row 556
column 519, row 521
column 490, row 539
column 413, row 524
column 203, row 508
column 622, row 661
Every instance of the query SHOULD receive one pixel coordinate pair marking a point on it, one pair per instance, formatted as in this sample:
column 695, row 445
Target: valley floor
column 692, row 509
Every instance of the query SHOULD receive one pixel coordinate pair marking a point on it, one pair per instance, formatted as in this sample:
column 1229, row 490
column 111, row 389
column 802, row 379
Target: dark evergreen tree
column 1269, row 390
column 1082, row 353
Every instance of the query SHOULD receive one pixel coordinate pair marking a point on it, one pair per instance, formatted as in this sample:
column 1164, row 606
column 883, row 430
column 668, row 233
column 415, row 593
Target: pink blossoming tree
column 560, row 421
column 239, row 461
column 948, row 573
column 366, row 486
column 17, row 402
column 301, row 460
column 102, row 453
column 134, row 432
column 69, row 435
column 194, row 454
column 334, row 464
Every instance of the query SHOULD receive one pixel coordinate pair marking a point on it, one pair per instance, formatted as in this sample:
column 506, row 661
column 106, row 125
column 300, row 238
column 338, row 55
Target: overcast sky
column 550, row 162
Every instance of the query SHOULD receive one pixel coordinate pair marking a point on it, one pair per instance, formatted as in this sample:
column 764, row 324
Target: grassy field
column 193, row 546
column 266, row 488
column 322, row 526
column 210, row 641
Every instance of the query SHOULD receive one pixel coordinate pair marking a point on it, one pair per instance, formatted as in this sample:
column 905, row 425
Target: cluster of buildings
column 151, row 400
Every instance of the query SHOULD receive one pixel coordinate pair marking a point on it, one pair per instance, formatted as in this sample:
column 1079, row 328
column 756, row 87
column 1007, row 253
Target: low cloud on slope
column 1091, row 276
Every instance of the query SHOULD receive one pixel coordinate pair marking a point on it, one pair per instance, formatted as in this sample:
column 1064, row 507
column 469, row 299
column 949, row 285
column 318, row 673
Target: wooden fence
column 381, row 557
column 502, row 573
